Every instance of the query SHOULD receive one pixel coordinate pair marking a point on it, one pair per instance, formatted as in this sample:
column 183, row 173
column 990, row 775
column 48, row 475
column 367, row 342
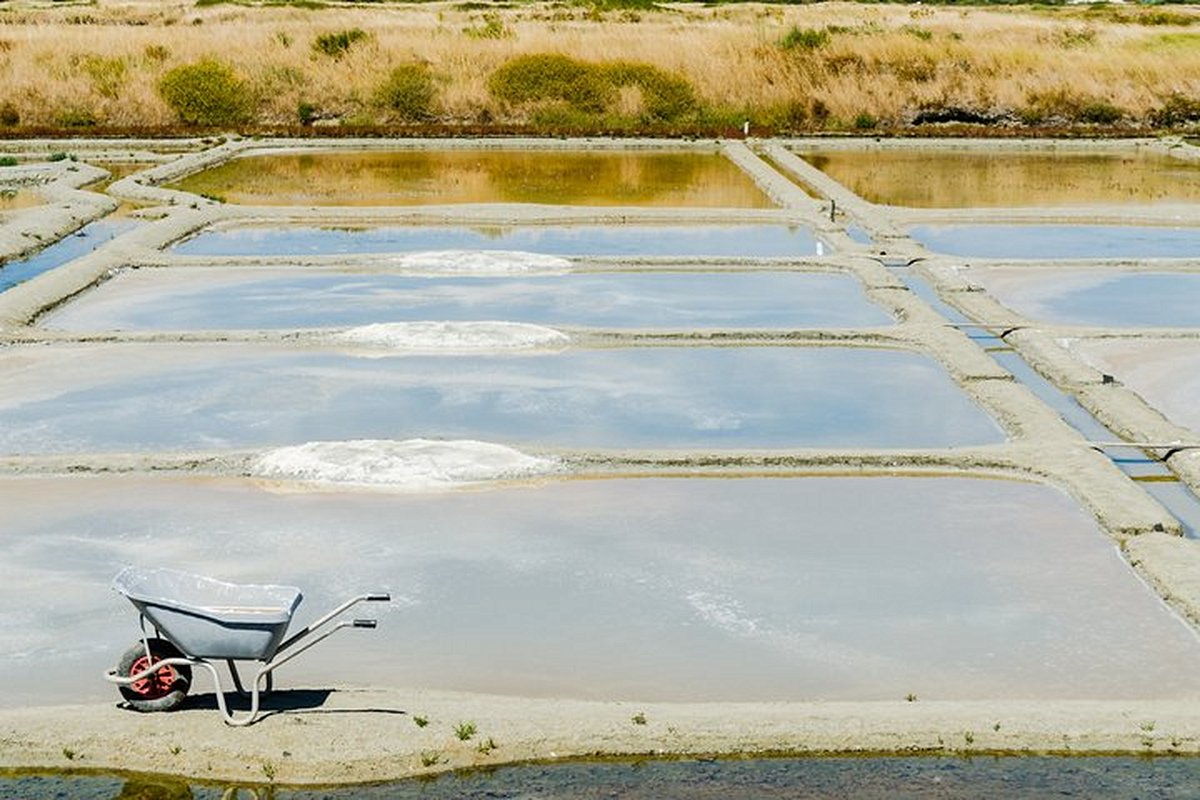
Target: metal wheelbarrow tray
column 198, row 619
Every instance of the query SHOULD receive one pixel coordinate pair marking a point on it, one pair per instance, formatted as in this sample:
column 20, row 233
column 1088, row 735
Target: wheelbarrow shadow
column 281, row 701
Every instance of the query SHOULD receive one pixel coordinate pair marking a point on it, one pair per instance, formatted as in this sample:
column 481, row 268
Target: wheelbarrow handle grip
column 381, row 597
column 365, row 623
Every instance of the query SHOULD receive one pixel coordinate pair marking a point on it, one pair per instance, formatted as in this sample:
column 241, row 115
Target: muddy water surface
column 941, row 179
column 431, row 177
column 1029, row 778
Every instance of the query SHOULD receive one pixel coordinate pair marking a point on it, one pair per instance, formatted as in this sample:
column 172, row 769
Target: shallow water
column 642, row 589
column 1105, row 298
column 941, row 179
column 1059, row 241
column 1028, row 778
column 69, row 248
column 425, row 177
column 718, row 240
column 226, row 298
column 116, row 397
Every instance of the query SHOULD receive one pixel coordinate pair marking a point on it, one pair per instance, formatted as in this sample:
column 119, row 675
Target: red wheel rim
column 155, row 685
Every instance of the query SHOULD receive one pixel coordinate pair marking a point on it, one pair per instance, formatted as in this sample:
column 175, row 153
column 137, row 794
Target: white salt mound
column 480, row 262
column 450, row 336
column 413, row 464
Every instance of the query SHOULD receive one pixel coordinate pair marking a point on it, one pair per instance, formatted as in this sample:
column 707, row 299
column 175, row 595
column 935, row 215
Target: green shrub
column 541, row 77
column 558, row 84
column 77, row 117
column 336, row 45
column 1099, row 112
column 864, row 121
column 409, row 92
column 8, row 161
column 9, row 115
column 804, row 38
column 665, row 97
column 306, row 112
column 1176, row 110
column 206, row 93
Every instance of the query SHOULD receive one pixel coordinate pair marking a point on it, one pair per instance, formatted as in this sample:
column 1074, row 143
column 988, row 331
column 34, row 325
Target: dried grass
column 890, row 62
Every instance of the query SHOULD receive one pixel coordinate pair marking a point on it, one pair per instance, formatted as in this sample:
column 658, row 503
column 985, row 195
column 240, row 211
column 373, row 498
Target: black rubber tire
column 163, row 691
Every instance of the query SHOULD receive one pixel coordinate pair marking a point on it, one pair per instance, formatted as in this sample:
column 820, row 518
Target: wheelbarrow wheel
column 163, row 690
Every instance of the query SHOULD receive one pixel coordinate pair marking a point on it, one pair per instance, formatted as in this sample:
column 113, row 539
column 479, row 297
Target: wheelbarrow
column 198, row 620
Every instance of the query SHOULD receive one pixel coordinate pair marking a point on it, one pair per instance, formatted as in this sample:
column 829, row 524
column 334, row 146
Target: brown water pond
column 422, row 177
column 938, row 179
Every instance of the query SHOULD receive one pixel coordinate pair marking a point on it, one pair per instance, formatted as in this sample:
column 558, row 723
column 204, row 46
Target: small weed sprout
column 68, row 754
column 421, row 722
column 430, row 758
column 487, row 746
column 464, row 730
column 910, row 697
column 1147, row 727
column 268, row 769
column 996, row 727
column 639, row 718
column 176, row 749
column 969, row 737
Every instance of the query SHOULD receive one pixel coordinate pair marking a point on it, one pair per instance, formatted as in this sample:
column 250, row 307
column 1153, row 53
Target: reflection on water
column 170, row 397
column 117, row 170
column 732, row 240
column 1009, row 778
column 421, row 177
column 1059, row 241
column 653, row 589
column 12, row 198
column 940, row 179
column 201, row 298
column 1110, row 298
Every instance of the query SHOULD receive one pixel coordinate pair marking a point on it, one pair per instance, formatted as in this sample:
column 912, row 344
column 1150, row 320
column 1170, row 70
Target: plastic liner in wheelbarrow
column 208, row 618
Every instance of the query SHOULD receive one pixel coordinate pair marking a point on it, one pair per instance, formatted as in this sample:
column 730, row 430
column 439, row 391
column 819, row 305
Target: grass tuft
column 336, row 45
column 804, row 38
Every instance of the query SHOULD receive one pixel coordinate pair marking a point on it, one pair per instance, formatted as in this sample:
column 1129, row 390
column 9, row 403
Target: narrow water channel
column 1029, row 778
column 70, row 247
column 1151, row 473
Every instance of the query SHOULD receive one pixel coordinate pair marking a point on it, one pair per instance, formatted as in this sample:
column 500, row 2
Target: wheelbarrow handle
column 383, row 597
column 365, row 623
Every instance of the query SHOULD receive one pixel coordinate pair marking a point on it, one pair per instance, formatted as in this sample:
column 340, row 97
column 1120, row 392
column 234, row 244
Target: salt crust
column 480, row 262
column 411, row 465
column 453, row 336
